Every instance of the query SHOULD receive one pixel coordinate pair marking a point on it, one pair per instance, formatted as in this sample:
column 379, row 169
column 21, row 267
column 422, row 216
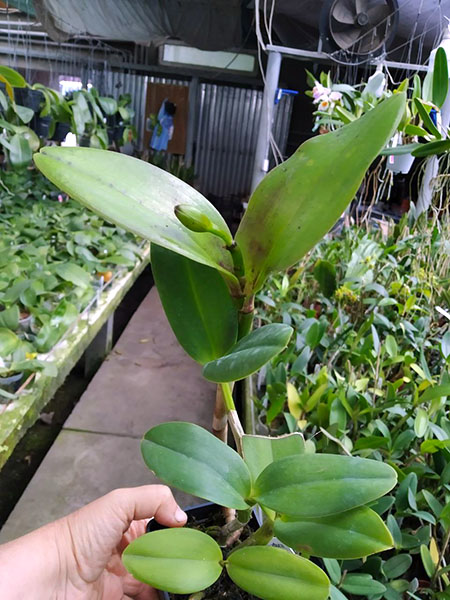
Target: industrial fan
column 358, row 27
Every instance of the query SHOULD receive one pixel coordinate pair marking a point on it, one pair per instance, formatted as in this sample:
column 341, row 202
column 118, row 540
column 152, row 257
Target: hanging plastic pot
column 61, row 131
column 41, row 126
column 400, row 163
column 115, row 134
column 29, row 98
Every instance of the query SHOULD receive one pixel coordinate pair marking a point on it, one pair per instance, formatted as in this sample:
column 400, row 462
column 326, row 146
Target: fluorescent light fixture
column 179, row 55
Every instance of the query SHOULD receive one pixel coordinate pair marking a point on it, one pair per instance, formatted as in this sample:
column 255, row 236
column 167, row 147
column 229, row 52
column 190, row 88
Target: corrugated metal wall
column 227, row 133
column 227, row 126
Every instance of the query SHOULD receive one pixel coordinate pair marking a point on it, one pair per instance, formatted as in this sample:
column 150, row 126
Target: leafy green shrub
column 368, row 372
column 52, row 257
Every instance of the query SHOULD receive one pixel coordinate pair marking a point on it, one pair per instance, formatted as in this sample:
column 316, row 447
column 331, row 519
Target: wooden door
column 179, row 95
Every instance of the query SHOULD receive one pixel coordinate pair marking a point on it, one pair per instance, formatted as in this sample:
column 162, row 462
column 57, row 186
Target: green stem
column 261, row 537
column 246, row 316
column 227, row 396
column 238, row 261
column 245, row 324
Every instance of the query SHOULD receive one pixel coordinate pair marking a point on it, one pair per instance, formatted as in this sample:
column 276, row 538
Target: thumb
column 145, row 502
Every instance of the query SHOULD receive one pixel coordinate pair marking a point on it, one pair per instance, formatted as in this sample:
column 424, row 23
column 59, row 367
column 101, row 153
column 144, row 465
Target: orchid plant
column 420, row 131
column 338, row 104
column 207, row 283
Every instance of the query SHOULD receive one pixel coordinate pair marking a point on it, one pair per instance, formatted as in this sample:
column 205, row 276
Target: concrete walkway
column 147, row 379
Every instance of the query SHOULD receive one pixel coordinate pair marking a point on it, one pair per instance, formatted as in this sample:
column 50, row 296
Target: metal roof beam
column 316, row 56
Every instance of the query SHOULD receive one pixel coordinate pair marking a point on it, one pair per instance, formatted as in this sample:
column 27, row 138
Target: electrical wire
column 242, row 46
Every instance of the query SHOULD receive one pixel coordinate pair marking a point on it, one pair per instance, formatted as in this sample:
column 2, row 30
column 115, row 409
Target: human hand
column 79, row 557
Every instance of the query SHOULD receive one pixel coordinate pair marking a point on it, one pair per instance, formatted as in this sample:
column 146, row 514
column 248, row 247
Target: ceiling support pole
column 261, row 165
column 192, row 119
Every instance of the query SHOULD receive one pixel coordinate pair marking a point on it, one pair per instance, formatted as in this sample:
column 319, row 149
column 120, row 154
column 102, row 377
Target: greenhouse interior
column 224, row 299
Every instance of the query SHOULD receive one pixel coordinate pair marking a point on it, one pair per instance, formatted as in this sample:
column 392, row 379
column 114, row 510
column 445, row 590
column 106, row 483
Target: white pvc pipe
column 261, row 165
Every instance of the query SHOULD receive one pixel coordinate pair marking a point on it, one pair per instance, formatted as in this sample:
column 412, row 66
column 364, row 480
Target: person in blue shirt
column 163, row 132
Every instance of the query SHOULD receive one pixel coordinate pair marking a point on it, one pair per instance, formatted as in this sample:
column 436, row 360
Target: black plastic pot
column 61, row 131
column 202, row 513
column 10, row 384
column 28, row 97
column 41, row 126
column 115, row 133
column 3, row 89
column 112, row 120
column 84, row 141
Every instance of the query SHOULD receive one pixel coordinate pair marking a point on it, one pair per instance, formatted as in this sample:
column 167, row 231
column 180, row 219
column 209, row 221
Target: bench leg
column 99, row 348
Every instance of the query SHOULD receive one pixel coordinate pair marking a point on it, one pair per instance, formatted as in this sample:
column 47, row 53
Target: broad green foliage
column 9, row 317
column 8, row 342
column 274, row 574
column 298, row 202
column 249, row 354
column 73, row 273
column 318, row 485
column 260, row 451
column 370, row 368
column 52, row 255
column 14, row 78
column 325, row 274
column 285, row 479
column 193, row 460
column 326, row 536
column 181, row 561
column 184, row 561
column 206, row 323
column 440, row 78
column 142, row 199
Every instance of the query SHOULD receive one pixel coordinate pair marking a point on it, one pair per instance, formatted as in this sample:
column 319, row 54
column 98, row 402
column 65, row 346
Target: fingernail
column 180, row 516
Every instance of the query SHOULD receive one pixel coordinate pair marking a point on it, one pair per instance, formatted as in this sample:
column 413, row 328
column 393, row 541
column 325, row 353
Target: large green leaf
column 298, row 202
column 24, row 113
column 137, row 196
column 56, row 325
column 325, row 275
column 19, row 151
column 403, row 149
column 109, row 105
column 10, row 317
column 440, row 77
column 197, row 303
column 250, row 353
column 260, row 451
column 8, row 342
column 427, row 121
column 432, row 148
column 352, row 534
column 362, row 584
column 275, row 574
column 12, row 77
column 316, row 485
column 180, row 561
column 193, row 460
column 73, row 273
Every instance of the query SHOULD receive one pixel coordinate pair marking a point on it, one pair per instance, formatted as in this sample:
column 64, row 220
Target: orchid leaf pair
column 186, row 560
column 313, row 503
column 295, row 484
